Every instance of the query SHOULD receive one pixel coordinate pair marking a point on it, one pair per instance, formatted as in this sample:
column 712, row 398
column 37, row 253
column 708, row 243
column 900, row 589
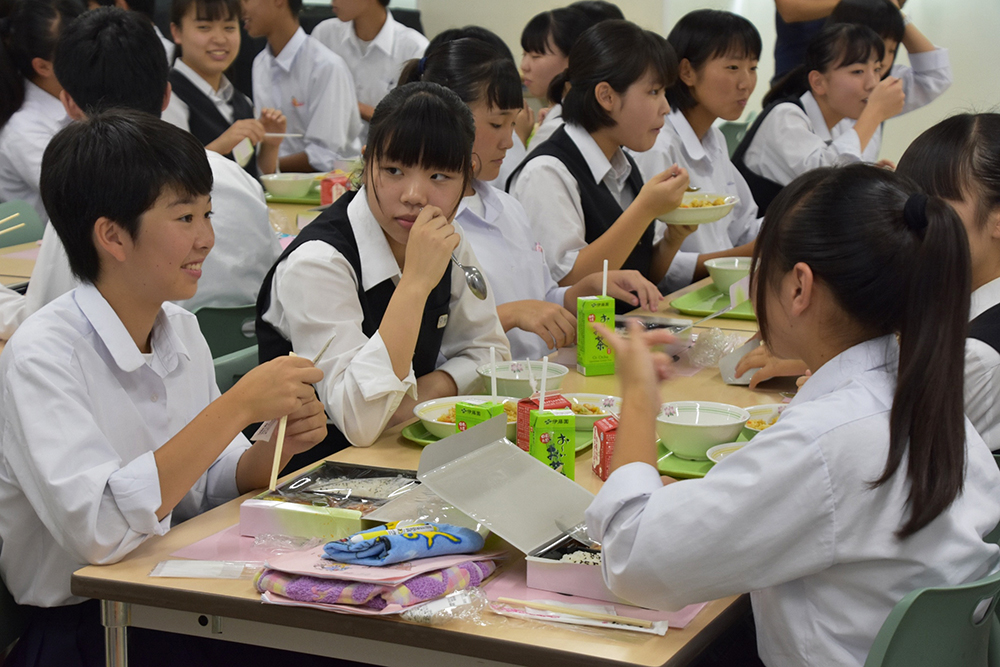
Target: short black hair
column 206, row 10
column 881, row 16
column 598, row 10
column 145, row 7
column 115, row 165
column 110, row 58
column 705, row 34
column 564, row 25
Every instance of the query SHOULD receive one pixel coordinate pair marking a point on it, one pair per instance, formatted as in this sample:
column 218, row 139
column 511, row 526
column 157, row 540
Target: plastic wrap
column 711, row 346
column 346, row 486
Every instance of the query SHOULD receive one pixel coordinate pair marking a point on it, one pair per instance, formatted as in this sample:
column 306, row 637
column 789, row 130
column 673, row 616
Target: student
column 308, row 83
column 30, row 111
column 535, row 312
column 871, row 484
column 147, row 8
column 374, row 46
column 584, row 197
column 114, row 429
column 377, row 262
column 203, row 100
column 718, row 53
column 110, row 58
column 840, row 79
column 924, row 79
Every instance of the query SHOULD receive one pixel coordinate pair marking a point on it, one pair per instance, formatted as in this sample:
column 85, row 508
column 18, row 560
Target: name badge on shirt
column 442, row 321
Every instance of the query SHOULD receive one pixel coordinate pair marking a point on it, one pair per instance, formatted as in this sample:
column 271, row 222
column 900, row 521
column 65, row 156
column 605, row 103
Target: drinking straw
column 604, row 281
column 545, row 375
column 493, row 372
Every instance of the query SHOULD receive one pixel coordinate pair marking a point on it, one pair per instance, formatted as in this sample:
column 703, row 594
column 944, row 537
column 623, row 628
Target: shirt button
column 154, row 398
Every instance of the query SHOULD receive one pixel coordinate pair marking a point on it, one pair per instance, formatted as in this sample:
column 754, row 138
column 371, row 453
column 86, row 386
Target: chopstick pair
column 593, row 615
column 10, row 229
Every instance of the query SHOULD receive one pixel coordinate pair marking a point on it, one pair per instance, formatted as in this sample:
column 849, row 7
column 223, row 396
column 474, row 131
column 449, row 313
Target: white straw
column 545, row 375
column 493, row 371
column 604, row 282
column 531, row 377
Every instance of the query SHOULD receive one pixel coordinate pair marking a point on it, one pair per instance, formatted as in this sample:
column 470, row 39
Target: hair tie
column 421, row 66
column 915, row 212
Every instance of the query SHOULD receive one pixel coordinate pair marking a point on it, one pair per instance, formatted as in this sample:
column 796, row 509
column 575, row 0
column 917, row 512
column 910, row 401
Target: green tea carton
column 468, row 414
column 553, row 442
column 593, row 354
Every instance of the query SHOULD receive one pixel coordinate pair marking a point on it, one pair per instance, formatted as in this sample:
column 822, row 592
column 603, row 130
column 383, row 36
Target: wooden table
column 14, row 271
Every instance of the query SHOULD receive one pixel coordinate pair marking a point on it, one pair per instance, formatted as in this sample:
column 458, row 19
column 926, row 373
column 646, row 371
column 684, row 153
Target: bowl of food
column 697, row 208
column 725, row 271
column 719, row 452
column 288, row 185
column 690, row 428
column 762, row 417
column 438, row 415
column 514, row 377
column 591, row 408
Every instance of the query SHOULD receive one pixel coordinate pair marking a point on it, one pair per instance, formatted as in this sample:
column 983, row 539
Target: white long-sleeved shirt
column 982, row 372
column 512, row 261
column 81, row 413
column 792, row 519
column 314, row 296
column 708, row 165
column 313, row 87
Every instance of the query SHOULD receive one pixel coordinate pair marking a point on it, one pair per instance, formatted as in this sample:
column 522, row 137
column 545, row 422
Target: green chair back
column 734, row 131
column 33, row 228
column 227, row 329
column 231, row 367
column 954, row 626
column 13, row 620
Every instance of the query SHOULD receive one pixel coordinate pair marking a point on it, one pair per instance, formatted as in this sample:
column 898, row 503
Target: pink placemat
column 226, row 544
column 30, row 253
column 511, row 583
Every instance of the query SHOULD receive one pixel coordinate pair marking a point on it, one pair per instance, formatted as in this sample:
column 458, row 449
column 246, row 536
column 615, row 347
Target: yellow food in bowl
column 760, row 424
column 702, row 203
column 586, row 409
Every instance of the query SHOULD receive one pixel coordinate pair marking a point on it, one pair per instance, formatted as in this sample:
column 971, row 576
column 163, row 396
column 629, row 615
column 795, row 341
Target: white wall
column 970, row 29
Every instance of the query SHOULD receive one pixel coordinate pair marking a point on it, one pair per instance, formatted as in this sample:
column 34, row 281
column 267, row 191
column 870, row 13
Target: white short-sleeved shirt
column 512, row 261
column 790, row 142
column 792, row 519
column 708, row 165
column 245, row 247
column 313, row 87
column 551, row 198
column 81, row 413
column 375, row 65
column 553, row 121
column 168, row 45
column 314, row 296
column 22, row 143
column 177, row 112
column 982, row 372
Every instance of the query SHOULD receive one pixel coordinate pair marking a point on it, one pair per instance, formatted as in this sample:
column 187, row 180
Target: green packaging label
column 468, row 415
column 593, row 354
column 552, row 440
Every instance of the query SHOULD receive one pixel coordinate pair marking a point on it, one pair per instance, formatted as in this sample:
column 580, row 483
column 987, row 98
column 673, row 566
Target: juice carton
column 468, row 415
column 332, row 187
column 553, row 401
column 605, row 433
column 553, row 442
column 593, row 355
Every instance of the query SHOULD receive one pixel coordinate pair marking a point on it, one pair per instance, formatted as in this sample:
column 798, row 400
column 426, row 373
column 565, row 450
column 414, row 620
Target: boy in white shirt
column 373, row 45
column 308, row 83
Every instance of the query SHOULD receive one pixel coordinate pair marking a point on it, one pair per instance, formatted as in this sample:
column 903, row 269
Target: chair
column 26, row 215
column 954, row 626
column 734, row 131
column 231, row 367
column 227, row 329
column 13, row 620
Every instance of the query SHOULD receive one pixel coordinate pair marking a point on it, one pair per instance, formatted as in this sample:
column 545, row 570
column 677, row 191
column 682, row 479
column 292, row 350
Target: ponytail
column 793, row 84
column 558, row 86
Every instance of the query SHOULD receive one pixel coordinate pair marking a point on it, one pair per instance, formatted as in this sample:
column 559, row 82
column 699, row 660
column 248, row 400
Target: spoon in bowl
column 473, row 278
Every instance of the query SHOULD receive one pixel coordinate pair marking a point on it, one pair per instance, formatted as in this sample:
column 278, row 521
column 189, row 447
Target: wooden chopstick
column 9, row 217
column 10, row 229
column 593, row 615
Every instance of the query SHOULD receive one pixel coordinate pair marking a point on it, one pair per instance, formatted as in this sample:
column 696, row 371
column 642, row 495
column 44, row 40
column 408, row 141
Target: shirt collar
column 285, row 59
column 51, row 106
column 167, row 346
column 599, row 165
column 225, row 92
column 689, row 140
column 386, row 37
column 376, row 256
column 491, row 202
column 816, row 117
column 984, row 298
column 881, row 352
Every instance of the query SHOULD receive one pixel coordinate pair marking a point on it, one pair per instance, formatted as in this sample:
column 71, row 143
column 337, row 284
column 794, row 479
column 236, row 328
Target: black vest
column 204, row 121
column 764, row 190
column 986, row 327
column 600, row 208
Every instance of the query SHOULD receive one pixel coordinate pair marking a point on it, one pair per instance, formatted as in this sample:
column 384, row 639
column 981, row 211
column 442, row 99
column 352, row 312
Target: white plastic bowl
column 513, row 379
column 607, row 404
column 701, row 214
column 288, row 185
column 430, row 412
column 768, row 412
column 719, row 452
column 690, row 428
column 726, row 271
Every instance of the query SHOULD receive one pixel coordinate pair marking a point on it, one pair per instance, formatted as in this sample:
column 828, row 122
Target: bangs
column 535, row 36
column 504, row 90
column 859, row 46
column 655, row 56
column 744, row 42
column 217, row 10
column 427, row 138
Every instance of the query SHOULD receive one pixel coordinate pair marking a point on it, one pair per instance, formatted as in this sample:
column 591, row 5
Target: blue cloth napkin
column 432, row 539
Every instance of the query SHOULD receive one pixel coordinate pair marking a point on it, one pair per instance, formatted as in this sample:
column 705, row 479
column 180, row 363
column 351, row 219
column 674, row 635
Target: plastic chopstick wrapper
column 555, row 611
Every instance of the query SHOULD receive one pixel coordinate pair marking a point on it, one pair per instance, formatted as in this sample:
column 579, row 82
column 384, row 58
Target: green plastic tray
column 708, row 300
column 678, row 468
column 310, row 199
column 418, row 435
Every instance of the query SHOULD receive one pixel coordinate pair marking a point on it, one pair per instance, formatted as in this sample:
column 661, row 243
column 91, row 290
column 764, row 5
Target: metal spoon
column 473, row 278
column 692, row 188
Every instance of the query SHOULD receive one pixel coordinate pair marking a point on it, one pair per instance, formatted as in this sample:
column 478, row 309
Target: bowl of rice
column 697, row 208
column 438, row 415
column 591, row 408
column 762, row 417
column 690, row 428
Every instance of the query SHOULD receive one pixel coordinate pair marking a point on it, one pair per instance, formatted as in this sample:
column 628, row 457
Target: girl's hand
column 431, row 241
column 770, row 366
column 242, row 129
column 663, row 192
column 622, row 284
column 274, row 122
column 524, row 123
column 306, row 427
column 275, row 389
column 886, row 164
column 886, row 100
column 677, row 233
column 553, row 323
column 639, row 369
column 542, row 113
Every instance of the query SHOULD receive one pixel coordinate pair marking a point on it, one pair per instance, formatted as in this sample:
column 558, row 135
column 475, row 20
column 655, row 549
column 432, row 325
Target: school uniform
column 515, row 155
column 573, row 194
column 512, row 261
column 22, row 143
column 982, row 363
column 792, row 519
column 553, row 121
column 375, row 65
column 168, row 45
column 245, row 247
column 206, row 113
column 12, row 311
column 708, row 165
column 336, row 279
column 313, row 87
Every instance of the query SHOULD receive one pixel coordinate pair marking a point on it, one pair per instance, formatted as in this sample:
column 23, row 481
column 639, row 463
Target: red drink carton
column 553, row 401
column 332, row 187
column 605, row 433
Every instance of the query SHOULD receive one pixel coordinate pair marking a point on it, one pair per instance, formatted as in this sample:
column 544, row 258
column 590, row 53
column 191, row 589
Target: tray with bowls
column 709, row 299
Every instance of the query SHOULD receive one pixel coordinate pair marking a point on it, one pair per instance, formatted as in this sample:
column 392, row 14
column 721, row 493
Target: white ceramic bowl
column 686, row 214
column 690, row 428
column 719, row 452
column 431, row 412
column 768, row 412
column 607, row 405
column 513, row 379
column 288, row 185
column 727, row 270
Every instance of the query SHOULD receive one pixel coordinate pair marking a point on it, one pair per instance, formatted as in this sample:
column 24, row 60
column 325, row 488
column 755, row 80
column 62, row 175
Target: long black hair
column 897, row 262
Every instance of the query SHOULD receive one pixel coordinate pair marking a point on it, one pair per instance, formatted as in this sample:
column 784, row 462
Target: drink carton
column 468, row 415
column 593, row 354
column 553, row 442
column 553, row 401
column 332, row 187
column 605, row 433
